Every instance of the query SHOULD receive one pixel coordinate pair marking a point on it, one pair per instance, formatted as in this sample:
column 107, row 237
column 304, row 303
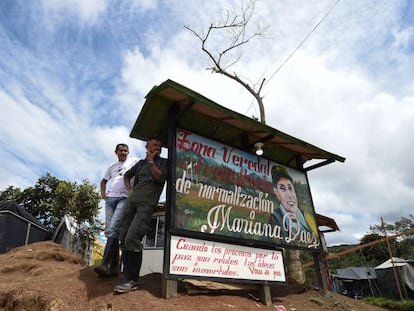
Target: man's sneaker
column 126, row 287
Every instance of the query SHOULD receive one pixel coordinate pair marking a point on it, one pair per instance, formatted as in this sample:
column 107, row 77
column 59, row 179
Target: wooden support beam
column 169, row 288
column 265, row 295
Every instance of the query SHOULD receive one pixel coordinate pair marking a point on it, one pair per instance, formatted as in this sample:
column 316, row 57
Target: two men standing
column 149, row 176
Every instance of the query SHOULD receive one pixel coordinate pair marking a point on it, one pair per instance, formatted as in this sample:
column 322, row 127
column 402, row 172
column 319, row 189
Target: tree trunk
column 295, row 268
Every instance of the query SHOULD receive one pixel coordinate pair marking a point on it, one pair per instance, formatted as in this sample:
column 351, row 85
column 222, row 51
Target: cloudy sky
column 74, row 74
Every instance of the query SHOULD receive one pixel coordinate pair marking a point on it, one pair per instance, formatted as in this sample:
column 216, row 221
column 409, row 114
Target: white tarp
column 394, row 261
column 408, row 276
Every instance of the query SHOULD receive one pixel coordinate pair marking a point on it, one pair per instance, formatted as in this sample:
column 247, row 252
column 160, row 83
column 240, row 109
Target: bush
column 401, row 305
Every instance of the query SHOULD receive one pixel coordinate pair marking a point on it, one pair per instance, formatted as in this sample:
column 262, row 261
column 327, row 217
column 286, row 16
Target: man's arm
column 160, row 173
column 128, row 175
column 156, row 172
column 127, row 183
column 103, row 188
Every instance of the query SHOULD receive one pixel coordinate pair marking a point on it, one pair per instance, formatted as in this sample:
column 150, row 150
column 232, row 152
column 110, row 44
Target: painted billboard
column 224, row 191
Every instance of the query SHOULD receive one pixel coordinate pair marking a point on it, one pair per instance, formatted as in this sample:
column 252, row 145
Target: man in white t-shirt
column 114, row 193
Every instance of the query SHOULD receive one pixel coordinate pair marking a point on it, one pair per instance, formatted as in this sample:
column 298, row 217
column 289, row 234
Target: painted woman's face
column 286, row 194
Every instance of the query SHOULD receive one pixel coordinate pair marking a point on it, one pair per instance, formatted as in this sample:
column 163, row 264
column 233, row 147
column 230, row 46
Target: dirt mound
column 44, row 276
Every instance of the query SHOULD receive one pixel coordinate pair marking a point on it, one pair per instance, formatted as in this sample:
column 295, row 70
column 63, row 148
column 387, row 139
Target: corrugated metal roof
column 356, row 273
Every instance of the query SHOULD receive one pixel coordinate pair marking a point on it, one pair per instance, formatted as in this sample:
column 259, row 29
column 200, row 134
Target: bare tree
column 235, row 25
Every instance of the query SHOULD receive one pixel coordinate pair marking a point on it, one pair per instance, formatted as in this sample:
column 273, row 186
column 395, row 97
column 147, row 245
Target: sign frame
column 172, row 231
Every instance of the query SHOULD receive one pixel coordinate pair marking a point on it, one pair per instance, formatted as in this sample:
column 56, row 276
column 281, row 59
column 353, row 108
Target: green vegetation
column 354, row 259
column 316, row 300
column 395, row 305
column 376, row 253
column 373, row 255
column 330, row 304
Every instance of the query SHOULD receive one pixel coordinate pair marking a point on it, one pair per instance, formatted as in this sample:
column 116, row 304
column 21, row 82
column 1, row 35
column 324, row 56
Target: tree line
column 371, row 256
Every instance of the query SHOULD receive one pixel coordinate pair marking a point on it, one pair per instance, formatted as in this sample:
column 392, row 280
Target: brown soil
column 44, row 276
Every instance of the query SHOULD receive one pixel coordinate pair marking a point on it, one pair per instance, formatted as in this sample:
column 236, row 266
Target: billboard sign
column 228, row 192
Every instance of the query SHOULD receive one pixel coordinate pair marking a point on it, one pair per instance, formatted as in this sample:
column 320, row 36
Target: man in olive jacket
column 150, row 175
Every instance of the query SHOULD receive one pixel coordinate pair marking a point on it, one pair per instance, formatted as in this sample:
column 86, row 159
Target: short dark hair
column 121, row 145
column 279, row 172
column 154, row 137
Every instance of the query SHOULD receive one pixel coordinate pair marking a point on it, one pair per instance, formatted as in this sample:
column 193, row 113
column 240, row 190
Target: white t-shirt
column 115, row 177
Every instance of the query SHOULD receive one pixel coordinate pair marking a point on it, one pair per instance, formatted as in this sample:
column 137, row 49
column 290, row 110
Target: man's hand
column 151, row 155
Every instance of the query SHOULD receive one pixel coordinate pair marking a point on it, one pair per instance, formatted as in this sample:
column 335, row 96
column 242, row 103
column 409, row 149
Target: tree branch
column 236, row 26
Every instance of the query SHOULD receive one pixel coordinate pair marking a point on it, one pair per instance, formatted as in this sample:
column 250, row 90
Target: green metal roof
column 202, row 116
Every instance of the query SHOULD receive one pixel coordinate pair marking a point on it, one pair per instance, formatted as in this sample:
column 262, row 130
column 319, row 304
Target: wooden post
column 317, row 257
column 265, row 295
column 169, row 288
column 397, row 279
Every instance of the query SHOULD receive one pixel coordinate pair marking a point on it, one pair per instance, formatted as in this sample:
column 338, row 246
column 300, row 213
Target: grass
column 332, row 304
column 400, row 305
column 316, row 300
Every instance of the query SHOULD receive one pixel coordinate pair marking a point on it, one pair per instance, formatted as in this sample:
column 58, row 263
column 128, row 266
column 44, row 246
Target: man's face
column 285, row 192
column 122, row 153
column 154, row 146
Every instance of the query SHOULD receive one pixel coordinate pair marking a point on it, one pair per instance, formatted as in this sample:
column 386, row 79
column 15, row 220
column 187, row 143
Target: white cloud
column 144, row 4
column 403, row 38
column 88, row 11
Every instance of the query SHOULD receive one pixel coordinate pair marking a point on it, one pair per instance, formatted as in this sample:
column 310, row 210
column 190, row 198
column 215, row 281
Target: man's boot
column 132, row 267
column 104, row 269
column 114, row 264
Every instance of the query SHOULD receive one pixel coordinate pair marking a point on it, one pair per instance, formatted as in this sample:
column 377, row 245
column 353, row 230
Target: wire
column 303, row 41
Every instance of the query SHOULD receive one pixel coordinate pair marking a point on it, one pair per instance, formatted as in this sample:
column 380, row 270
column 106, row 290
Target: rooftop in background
column 326, row 224
column 204, row 117
column 356, row 273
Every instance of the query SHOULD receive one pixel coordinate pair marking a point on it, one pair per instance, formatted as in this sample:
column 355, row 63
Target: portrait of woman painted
column 293, row 216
